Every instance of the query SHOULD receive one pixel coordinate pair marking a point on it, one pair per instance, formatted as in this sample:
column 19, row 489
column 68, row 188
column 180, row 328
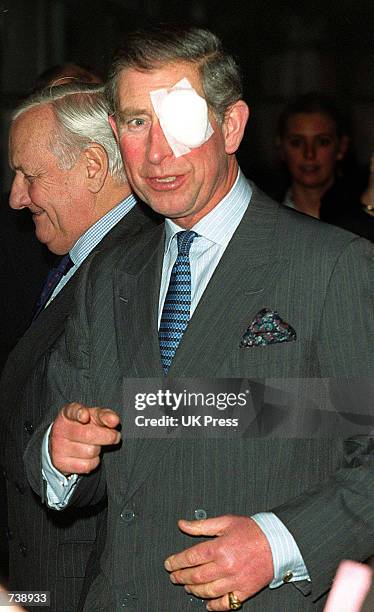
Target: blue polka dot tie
column 176, row 312
column 53, row 278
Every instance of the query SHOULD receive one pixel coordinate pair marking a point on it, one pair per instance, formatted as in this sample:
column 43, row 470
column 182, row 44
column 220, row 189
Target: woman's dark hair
column 312, row 102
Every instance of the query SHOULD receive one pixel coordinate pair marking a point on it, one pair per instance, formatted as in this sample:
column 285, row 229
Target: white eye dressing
column 183, row 116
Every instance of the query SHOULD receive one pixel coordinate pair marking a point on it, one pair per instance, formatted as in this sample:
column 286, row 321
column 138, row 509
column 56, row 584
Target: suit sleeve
column 335, row 520
column 345, row 338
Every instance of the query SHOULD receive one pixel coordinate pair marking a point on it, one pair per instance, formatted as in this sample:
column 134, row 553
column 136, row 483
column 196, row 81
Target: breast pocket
column 282, row 359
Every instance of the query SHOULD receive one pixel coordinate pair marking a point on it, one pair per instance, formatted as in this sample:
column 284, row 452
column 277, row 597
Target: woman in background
column 313, row 143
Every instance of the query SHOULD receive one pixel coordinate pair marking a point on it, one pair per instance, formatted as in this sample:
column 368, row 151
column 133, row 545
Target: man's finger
column 81, row 424
column 72, row 465
column 197, row 575
column 88, row 433
column 196, row 555
column 76, row 412
column 211, row 590
column 207, row 527
column 77, row 450
column 104, row 417
column 201, row 553
column 223, row 603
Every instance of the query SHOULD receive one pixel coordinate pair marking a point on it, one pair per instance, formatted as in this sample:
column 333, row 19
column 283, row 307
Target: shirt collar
column 220, row 223
column 288, row 199
column 96, row 232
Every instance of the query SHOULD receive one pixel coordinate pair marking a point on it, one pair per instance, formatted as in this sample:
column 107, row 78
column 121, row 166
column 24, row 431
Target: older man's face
column 184, row 188
column 60, row 205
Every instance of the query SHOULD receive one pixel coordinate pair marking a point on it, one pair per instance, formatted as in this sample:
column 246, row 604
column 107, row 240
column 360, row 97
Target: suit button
column 129, row 600
column 200, row 514
column 29, row 427
column 23, row 549
column 195, row 602
column 20, row 488
column 9, row 534
column 128, row 516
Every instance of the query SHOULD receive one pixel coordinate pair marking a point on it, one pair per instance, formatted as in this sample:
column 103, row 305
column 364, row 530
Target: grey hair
column 81, row 114
column 152, row 48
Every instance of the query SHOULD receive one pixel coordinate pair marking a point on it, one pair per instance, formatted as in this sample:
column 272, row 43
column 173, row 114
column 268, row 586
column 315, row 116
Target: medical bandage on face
column 183, row 117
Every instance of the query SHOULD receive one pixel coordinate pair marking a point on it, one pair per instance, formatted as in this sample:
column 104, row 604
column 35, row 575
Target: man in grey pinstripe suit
column 273, row 294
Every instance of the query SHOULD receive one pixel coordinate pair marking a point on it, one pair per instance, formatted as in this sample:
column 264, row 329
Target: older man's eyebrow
column 130, row 112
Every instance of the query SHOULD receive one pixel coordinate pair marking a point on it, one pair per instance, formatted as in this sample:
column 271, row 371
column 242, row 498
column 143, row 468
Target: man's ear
column 233, row 126
column 113, row 125
column 97, row 166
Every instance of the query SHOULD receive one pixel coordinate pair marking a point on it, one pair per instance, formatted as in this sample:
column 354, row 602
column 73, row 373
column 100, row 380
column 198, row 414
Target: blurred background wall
column 285, row 48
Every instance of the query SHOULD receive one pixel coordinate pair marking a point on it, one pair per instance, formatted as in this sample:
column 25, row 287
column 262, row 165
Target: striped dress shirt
column 91, row 238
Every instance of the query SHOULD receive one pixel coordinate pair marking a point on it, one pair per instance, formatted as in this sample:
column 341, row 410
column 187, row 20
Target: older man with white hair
column 69, row 174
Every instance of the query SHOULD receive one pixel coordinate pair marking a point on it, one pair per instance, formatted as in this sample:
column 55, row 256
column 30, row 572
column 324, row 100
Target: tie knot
column 185, row 239
column 64, row 265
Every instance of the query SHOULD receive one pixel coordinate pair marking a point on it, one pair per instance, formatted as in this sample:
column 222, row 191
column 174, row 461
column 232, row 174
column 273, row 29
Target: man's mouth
column 167, row 179
column 166, row 183
column 310, row 169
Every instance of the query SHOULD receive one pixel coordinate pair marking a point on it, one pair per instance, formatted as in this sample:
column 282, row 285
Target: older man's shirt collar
column 91, row 238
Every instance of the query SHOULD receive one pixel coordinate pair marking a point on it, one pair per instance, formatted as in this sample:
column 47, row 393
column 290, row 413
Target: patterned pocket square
column 267, row 328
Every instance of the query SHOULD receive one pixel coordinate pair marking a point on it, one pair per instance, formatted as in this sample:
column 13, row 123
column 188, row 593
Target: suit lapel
column 225, row 302
column 136, row 295
column 136, row 291
column 44, row 331
column 234, row 294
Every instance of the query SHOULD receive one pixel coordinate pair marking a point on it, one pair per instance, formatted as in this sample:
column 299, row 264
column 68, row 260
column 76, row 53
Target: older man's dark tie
column 176, row 311
column 53, row 278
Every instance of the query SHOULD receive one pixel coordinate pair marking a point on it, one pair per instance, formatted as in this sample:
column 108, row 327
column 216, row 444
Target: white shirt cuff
column 59, row 488
column 288, row 563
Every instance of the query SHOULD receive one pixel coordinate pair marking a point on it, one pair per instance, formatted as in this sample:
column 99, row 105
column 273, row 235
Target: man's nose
column 309, row 150
column 158, row 146
column 19, row 194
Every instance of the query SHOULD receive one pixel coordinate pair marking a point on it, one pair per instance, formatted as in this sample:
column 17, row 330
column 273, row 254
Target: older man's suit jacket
column 48, row 551
column 24, row 264
column 318, row 279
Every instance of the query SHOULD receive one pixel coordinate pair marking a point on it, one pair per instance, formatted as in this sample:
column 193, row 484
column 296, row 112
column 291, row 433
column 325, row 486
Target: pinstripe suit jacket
column 47, row 551
column 319, row 279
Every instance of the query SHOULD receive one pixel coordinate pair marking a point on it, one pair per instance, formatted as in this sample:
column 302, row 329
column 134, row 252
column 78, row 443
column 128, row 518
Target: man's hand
column 239, row 559
column 351, row 585
column 77, row 435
